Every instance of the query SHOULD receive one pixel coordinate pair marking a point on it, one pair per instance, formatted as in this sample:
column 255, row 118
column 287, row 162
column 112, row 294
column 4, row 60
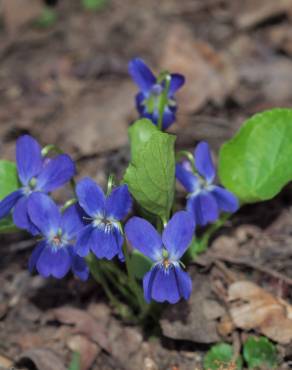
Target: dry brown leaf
column 87, row 349
column 253, row 308
column 5, row 362
column 43, row 359
column 209, row 75
column 17, row 13
column 196, row 319
column 84, row 324
column 106, row 120
column 248, row 13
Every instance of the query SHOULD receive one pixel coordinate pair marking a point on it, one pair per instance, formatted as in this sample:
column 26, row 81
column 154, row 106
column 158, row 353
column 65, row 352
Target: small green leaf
column 75, row 362
column 8, row 178
column 7, row 225
column 151, row 174
column 8, row 183
column 259, row 351
column 220, row 355
column 94, row 4
column 256, row 164
column 140, row 264
column 47, row 18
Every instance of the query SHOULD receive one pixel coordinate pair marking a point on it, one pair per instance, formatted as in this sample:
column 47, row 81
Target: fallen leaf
column 86, row 348
column 5, row 362
column 84, row 324
column 106, row 119
column 43, row 359
column 253, row 308
column 209, row 75
column 249, row 13
column 17, row 13
column 195, row 319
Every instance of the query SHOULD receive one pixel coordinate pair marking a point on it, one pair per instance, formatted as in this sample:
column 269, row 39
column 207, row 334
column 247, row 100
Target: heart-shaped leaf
column 256, row 164
column 151, row 174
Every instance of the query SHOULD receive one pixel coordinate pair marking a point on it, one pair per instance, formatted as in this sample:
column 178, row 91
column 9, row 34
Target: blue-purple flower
column 54, row 254
column 36, row 174
column 103, row 232
column 151, row 91
column 166, row 281
column 205, row 200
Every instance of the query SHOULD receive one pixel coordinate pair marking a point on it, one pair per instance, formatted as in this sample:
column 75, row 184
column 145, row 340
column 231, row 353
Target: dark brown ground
column 69, row 85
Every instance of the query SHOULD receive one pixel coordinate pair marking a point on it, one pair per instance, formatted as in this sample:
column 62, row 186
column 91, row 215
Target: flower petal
column 90, row 197
column 226, row 201
column 106, row 244
column 44, row 213
column 56, row 173
column 203, row 161
column 118, row 203
column 28, row 158
column 83, row 243
column 142, row 236
column 204, row 208
column 141, row 74
column 184, row 282
column 54, row 262
column 141, row 108
column 186, row 178
column 79, row 266
column 35, row 255
column 162, row 285
column 9, row 202
column 168, row 117
column 178, row 234
column 72, row 221
column 21, row 218
column 176, row 82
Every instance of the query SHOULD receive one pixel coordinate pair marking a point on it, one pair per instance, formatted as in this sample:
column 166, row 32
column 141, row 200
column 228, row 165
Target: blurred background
column 64, row 80
column 63, row 69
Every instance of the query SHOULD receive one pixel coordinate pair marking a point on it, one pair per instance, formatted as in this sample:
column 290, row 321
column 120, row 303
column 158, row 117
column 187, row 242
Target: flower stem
column 68, row 204
column 120, row 281
column 164, row 98
column 200, row 245
column 98, row 274
column 133, row 282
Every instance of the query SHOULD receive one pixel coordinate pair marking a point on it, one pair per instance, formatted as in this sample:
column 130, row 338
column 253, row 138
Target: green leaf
column 75, row 362
column 151, row 174
column 8, row 178
column 259, row 351
column 256, row 164
column 47, row 18
column 140, row 264
column 8, row 183
column 7, row 225
column 94, row 4
column 220, row 355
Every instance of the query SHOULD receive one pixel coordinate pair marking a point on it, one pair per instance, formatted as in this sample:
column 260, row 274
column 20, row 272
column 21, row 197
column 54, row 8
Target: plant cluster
column 89, row 234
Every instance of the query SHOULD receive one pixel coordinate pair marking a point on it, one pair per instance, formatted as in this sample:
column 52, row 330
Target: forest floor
column 68, row 85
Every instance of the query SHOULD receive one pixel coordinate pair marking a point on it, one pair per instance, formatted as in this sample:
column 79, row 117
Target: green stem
column 98, row 275
column 200, row 245
column 68, row 204
column 133, row 282
column 51, row 148
column 110, row 184
column 120, row 280
column 164, row 99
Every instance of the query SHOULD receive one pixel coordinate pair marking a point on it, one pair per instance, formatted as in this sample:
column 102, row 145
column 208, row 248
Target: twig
column 253, row 265
column 22, row 245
